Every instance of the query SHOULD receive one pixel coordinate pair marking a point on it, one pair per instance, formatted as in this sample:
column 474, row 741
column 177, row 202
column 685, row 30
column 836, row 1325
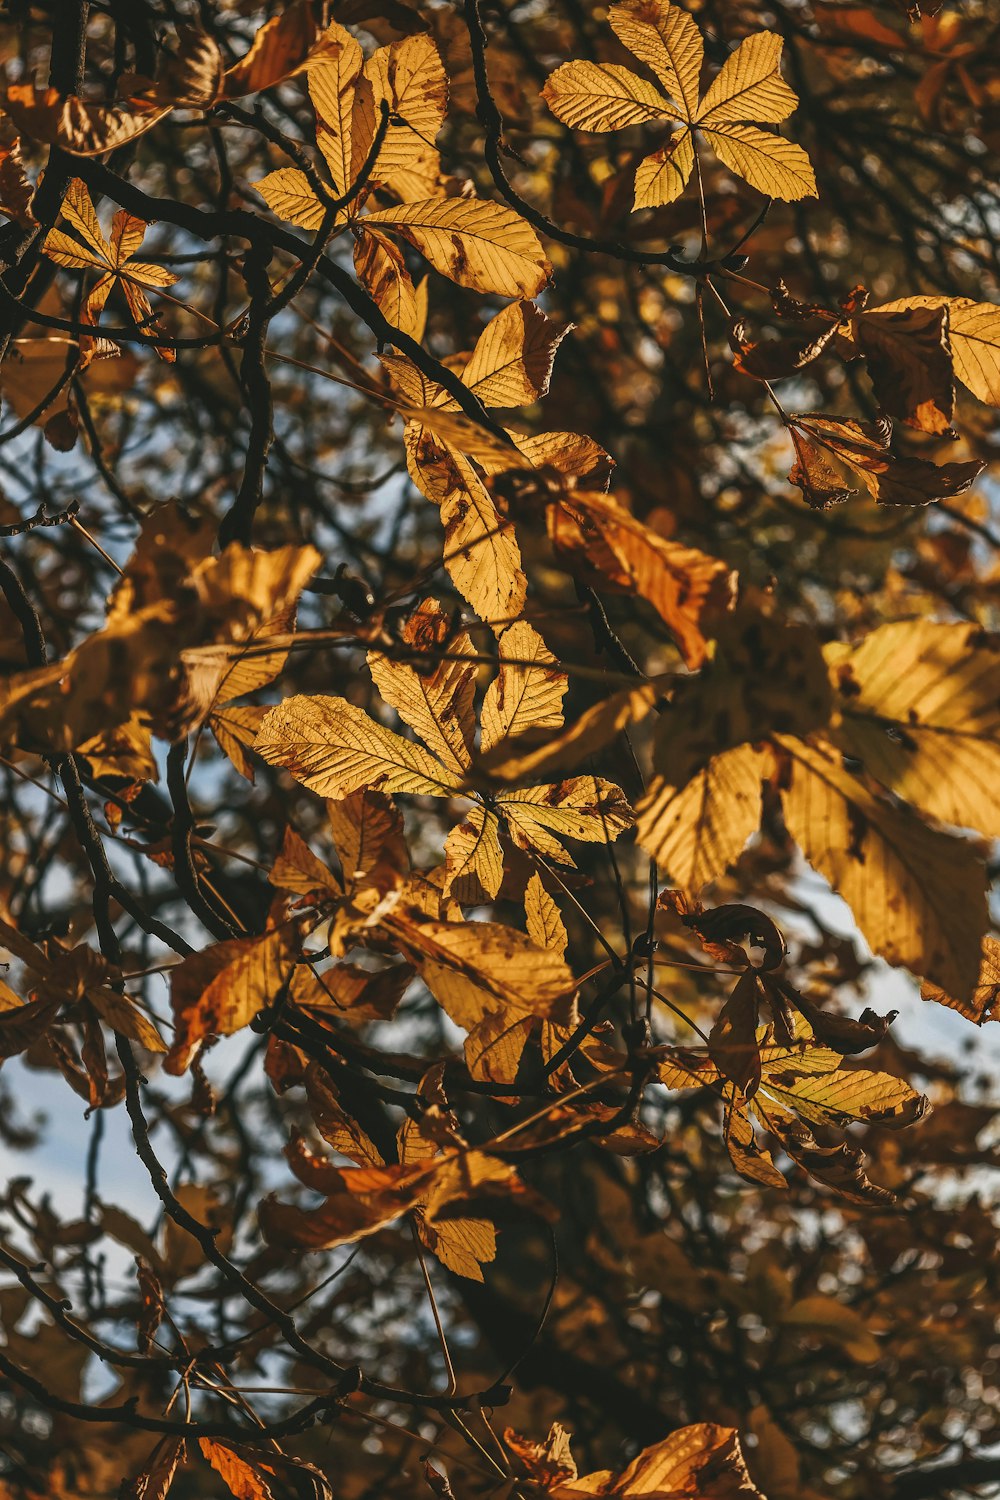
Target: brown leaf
column 77, row 127
column 984, row 1003
column 159, row 1472
column 732, row 1042
column 220, row 990
column 863, row 448
column 909, row 360
column 687, row 588
column 151, row 1304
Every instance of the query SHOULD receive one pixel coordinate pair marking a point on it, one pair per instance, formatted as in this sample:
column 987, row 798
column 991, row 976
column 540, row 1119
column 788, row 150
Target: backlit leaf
column 478, row 244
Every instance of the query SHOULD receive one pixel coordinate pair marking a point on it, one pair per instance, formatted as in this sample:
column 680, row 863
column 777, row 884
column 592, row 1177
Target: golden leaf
column 367, row 831
column 332, row 89
column 537, row 752
column 410, row 76
column 918, row 895
column 334, row 748
column 775, row 167
column 528, row 690
column 235, row 729
column 703, row 1462
column 479, row 244
column 113, row 260
column 696, row 831
column 602, row 96
column 362, row 1200
column 297, row 869
column 480, row 549
column 356, row 994
column 244, row 1479
column 586, row 808
column 381, row 269
column 546, row 927
column 287, row 193
column 511, row 364
column 337, row 1127
column 749, row 86
column 280, row 48
column 221, row 989
column 438, row 700
column 495, row 1045
column 80, row 128
column 474, row 858
column 475, row 967
column 920, row 708
column 665, row 38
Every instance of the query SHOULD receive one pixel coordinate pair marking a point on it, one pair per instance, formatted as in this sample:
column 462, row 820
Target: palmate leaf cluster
column 500, row 712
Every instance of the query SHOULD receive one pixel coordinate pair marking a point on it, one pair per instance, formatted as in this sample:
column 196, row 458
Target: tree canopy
column 499, row 749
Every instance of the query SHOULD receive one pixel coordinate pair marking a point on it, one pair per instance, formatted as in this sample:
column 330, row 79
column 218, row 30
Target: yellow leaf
column 332, row 81
column 479, row 244
column 410, row 76
column 334, row 748
column 749, row 87
column 288, row 194
column 528, row 690
column 281, row 47
column 602, row 96
column 125, row 750
column 436, row 698
column 243, row 1479
column 80, row 128
column 663, row 175
column 362, row 1200
column 920, row 708
column 703, row 1462
column 235, row 729
column 585, row 807
column 336, row 1127
column 220, row 990
column 665, row 38
column 297, row 869
column 844, row 1096
column 695, row 832
column 123, row 1015
column 474, row 858
column 475, row 967
column 772, row 165
column 535, row 752
column 546, row 927
column 480, row 549
column 918, row 895
column 355, row 994
column 597, row 96
column 494, row 1047
column 367, row 831
column 512, row 362
column 382, row 270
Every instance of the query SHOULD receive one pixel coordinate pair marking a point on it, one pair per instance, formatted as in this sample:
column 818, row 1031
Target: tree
column 500, row 702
